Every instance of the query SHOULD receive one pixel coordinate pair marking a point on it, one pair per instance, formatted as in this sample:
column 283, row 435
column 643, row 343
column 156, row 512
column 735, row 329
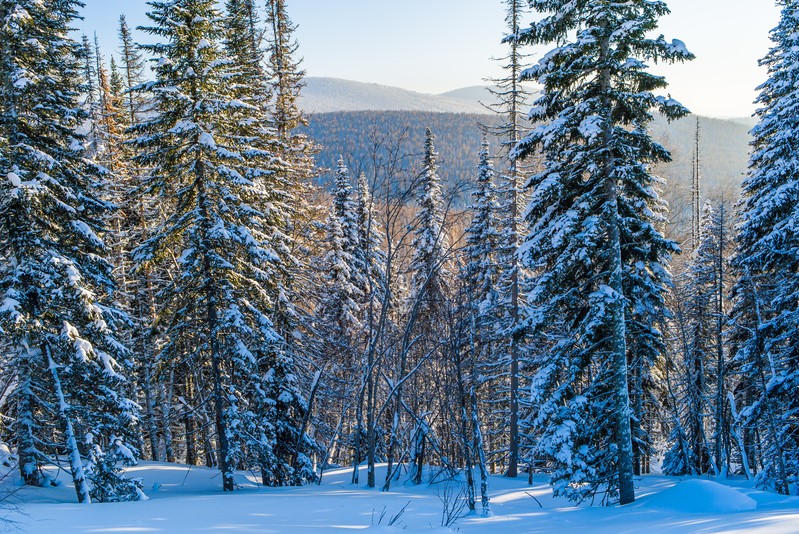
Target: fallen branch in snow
column 535, row 499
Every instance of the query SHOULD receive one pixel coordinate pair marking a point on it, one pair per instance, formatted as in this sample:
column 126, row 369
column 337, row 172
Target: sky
column 434, row 46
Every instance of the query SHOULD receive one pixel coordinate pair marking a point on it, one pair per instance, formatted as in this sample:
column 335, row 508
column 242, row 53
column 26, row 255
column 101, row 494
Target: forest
column 194, row 272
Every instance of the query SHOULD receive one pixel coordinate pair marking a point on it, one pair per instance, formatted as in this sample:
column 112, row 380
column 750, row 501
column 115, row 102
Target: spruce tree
column 696, row 291
column 767, row 260
column 133, row 69
column 338, row 313
column 430, row 243
column 369, row 255
column 138, row 213
column 511, row 96
column 294, row 154
column 480, row 274
column 427, row 298
column 204, row 158
column 57, row 313
column 279, row 203
column 594, row 245
column 338, row 309
column 482, row 239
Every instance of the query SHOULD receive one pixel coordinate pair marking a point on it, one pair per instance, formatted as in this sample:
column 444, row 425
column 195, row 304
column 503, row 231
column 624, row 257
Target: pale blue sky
column 438, row 45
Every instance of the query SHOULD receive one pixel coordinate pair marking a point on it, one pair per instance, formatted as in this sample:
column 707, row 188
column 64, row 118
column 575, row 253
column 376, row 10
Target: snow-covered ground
column 186, row 499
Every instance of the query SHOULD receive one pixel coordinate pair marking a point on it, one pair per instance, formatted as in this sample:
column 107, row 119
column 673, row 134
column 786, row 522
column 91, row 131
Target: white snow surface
column 184, row 499
column 701, row 496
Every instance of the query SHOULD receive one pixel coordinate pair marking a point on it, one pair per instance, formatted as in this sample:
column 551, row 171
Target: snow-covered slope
column 187, row 500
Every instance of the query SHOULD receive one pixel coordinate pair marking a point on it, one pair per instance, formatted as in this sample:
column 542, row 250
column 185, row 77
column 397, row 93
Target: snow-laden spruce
column 430, row 243
column 57, row 315
column 482, row 236
column 209, row 158
column 338, row 312
column 480, row 274
column 693, row 390
column 768, row 238
column 594, row 245
column 512, row 97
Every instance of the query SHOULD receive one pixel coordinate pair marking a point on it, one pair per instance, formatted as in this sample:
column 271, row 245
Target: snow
column 14, row 178
column 702, row 496
column 186, row 500
column 677, row 47
column 206, row 140
column 22, row 83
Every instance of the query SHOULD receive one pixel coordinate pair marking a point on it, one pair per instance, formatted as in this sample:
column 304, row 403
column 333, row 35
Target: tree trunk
column 212, row 327
column 188, row 421
column 618, row 341
column 71, row 442
column 166, row 417
column 464, row 432
column 29, row 467
column 722, row 459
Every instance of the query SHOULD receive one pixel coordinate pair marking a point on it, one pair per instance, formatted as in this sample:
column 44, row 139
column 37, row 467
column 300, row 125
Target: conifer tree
column 480, row 275
column 594, row 245
column 427, row 298
column 338, row 313
column 200, row 159
column 338, row 309
column 296, row 168
column 767, row 260
column 279, row 202
column 138, row 214
column 482, row 239
column 696, row 291
column 369, row 256
column 512, row 96
column 57, row 314
column 428, row 265
column 92, row 96
column 344, row 206
column 133, row 70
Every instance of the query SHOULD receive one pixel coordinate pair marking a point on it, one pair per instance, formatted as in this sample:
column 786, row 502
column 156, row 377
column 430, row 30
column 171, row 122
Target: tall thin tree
column 594, row 245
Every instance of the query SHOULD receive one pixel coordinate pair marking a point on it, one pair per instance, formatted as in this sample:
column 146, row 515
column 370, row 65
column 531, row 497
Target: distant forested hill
column 351, row 134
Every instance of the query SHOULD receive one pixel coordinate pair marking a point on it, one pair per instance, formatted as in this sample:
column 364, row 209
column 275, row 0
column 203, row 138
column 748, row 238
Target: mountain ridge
column 331, row 95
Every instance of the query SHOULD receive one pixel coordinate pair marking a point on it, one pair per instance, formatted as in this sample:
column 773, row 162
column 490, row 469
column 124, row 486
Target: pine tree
column 767, row 261
column 594, row 246
column 201, row 157
column 57, row 314
column 133, row 70
column 482, row 240
column 512, row 96
column 480, row 276
column 428, row 265
column 294, row 154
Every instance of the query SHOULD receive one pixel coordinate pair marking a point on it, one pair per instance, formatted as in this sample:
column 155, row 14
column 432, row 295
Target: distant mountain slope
column 330, row 95
column 347, row 116
column 746, row 121
column 724, row 148
column 326, row 95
